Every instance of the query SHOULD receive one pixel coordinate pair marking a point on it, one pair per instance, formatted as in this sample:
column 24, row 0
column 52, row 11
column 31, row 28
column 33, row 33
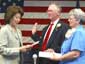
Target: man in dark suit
column 56, row 34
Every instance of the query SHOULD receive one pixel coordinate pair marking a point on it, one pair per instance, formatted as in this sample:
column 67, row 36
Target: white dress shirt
column 54, row 24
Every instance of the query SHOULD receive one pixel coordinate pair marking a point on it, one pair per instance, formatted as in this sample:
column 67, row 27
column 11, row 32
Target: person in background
column 73, row 47
column 10, row 37
column 52, row 35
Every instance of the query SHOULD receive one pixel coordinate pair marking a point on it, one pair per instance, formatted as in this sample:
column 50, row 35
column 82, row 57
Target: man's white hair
column 55, row 7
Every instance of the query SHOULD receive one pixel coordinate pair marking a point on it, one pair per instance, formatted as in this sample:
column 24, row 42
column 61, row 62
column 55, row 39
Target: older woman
column 11, row 38
column 73, row 48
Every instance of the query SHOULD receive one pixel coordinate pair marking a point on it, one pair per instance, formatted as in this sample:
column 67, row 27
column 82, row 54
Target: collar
column 55, row 22
column 10, row 28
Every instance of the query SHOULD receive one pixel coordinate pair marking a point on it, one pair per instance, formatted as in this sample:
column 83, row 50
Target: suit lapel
column 53, row 34
column 15, row 34
column 51, row 38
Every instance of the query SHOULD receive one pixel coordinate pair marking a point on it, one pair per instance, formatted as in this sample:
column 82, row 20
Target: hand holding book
column 50, row 55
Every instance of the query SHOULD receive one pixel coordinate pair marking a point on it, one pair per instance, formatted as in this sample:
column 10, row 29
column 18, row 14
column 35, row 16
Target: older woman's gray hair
column 78, row 14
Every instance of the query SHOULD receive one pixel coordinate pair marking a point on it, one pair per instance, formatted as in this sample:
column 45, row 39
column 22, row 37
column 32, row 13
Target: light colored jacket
column 9, row 42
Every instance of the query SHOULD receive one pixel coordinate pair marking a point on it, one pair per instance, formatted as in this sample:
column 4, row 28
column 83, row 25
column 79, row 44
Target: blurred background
column 35, row 11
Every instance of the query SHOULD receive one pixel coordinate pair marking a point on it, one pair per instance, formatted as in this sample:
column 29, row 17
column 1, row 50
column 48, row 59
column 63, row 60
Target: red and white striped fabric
column 35, row 11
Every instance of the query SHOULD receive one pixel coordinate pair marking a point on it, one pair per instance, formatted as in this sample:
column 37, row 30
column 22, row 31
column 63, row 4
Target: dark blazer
column 55, row 40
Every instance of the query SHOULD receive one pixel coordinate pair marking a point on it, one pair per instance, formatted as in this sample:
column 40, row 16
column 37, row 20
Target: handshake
column 27, row 47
